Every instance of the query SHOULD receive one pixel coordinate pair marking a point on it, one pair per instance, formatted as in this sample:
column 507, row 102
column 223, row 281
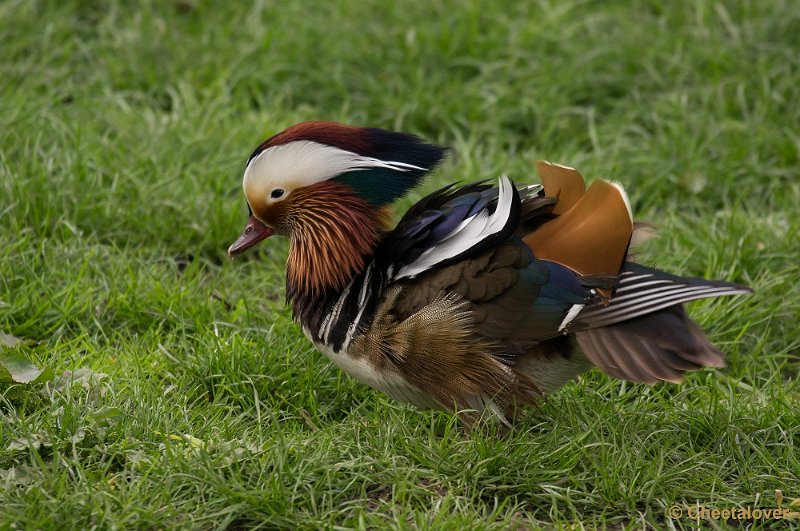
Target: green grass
column 124, row 128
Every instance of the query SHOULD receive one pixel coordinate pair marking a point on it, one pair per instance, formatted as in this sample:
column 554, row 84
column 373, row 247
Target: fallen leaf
column 19, row 475
column 16, row 368
column 84, row 377
column 7, row 340
column 34, row 440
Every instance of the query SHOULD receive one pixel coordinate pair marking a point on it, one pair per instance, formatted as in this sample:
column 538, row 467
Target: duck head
column 326, row 186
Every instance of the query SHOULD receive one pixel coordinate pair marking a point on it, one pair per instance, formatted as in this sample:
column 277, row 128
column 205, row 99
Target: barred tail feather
column 642, row 290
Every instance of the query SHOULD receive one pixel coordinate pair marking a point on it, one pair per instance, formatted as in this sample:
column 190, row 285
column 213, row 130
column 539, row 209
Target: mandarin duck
column 481, row 298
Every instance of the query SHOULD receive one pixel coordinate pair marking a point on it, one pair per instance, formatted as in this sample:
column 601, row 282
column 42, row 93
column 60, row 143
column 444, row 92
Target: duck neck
column 333, row 238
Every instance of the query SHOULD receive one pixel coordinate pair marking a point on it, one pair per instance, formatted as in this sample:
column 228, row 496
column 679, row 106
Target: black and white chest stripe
column 351, row 313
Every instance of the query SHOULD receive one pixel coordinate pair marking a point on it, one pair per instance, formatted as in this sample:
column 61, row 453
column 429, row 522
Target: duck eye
column 275, row 194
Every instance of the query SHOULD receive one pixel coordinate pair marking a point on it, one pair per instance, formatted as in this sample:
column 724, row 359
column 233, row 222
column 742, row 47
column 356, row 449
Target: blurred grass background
column 124, row 128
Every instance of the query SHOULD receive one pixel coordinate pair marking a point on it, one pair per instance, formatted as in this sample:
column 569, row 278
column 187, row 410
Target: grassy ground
column 196, row 403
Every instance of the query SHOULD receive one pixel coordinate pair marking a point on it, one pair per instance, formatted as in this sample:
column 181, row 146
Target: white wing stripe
column 467, row 234
column 571, row 314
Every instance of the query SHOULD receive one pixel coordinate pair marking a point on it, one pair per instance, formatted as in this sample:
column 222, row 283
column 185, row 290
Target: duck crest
column 380, row 165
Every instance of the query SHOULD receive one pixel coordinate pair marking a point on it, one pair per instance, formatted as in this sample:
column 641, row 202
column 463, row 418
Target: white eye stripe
column 304, row 162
